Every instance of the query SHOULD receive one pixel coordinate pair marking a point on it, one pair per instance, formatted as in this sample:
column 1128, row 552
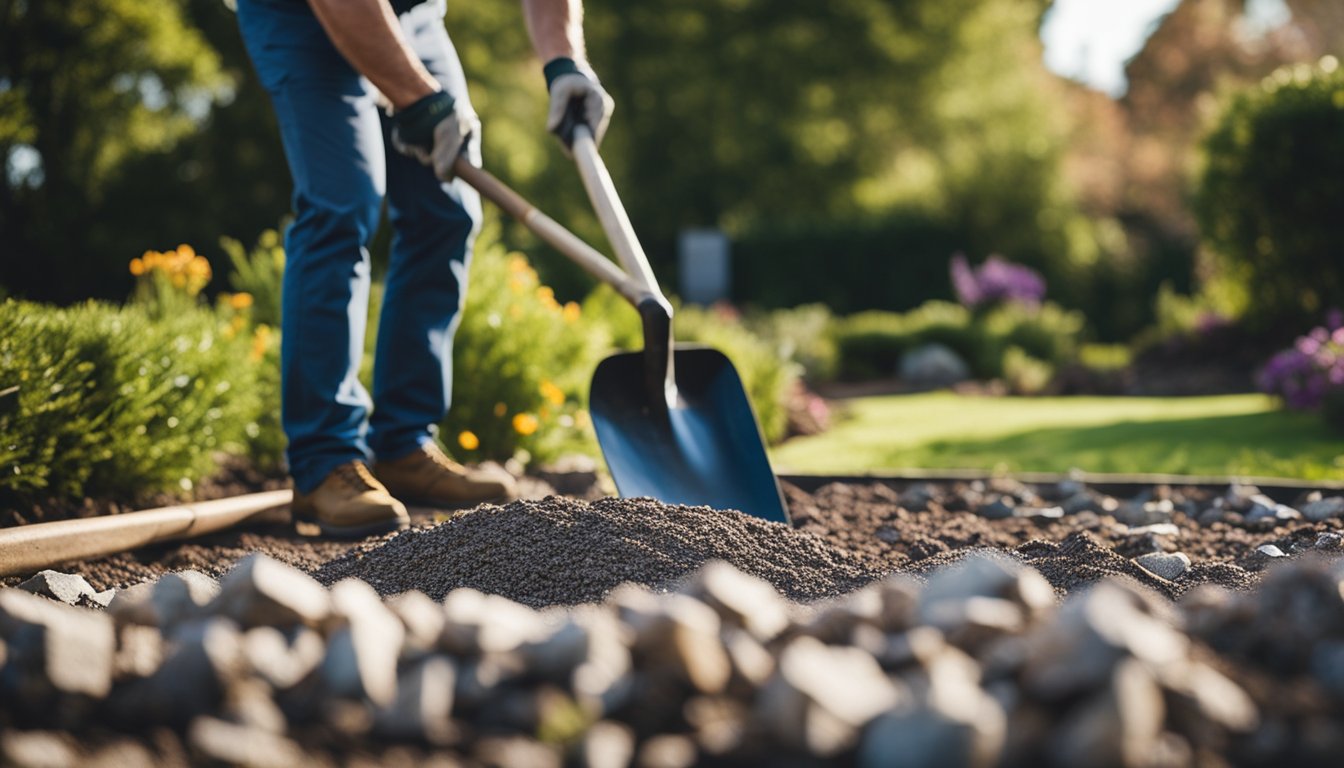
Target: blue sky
column 1090, row 40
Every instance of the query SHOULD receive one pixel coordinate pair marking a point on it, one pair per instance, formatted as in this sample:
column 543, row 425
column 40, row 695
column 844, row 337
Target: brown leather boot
column 350, row 503
column 427, row 476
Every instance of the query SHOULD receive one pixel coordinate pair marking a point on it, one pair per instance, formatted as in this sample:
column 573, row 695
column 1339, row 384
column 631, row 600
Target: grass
column 1240, row 435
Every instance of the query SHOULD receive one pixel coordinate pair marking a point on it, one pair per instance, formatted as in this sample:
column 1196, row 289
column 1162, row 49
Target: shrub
column 259, row 273
column 1270, row 195
column 804, row 335
column 116, row 401
column 768, row 378
column 1024, row 374
column 522, row 364
column 997, row 281
column 1309, row 373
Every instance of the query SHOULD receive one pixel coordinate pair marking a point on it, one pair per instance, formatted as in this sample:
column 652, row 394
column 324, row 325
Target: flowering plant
column 1312, row 370
column 996, row 281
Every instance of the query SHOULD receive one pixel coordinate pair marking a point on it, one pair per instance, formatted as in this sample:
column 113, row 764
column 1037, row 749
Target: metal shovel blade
column 704, row 450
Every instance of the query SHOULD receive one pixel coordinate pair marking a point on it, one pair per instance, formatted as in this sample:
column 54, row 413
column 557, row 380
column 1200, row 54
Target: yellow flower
column 545, row 292
column 468, row 440
column 261, row 341
column 553, row 394
column 185, row 252
column 518, row 264
column 137, row 267
column 240, row 300
column 571, row 312
column 517, row 285
column 525, row 424
column 500, row 410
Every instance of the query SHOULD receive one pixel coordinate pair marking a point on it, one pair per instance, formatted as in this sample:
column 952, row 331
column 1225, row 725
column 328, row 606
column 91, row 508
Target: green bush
column 871, row 343
column 522, row 364
column 115, row 402
column 259, row 273
column 804, row 335
column 768, row 378
column 1271, row 193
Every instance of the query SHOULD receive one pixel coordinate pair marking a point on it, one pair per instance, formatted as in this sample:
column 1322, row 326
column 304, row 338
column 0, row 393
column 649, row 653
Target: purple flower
column 1305, row 374
column 996, row 281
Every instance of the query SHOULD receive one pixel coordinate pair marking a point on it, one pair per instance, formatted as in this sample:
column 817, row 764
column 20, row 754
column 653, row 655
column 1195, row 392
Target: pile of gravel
column 979, row 664
column 561, row 551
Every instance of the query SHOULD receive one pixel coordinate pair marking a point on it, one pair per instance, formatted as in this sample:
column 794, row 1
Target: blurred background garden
column 922, row 245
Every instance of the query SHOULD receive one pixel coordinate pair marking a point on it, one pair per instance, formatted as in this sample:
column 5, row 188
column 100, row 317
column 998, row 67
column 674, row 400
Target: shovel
column 673, row 420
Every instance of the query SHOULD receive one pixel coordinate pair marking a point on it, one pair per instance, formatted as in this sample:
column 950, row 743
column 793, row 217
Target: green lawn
column 1226, row 435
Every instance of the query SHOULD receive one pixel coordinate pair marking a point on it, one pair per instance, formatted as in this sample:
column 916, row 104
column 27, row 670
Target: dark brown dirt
column 561, row 551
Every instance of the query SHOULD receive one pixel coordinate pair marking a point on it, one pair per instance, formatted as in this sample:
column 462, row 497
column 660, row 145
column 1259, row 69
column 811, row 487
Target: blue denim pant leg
column 334, row 142
column 433, row 225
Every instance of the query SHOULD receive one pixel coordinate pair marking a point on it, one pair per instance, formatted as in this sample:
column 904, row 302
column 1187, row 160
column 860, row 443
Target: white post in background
column 704, row 262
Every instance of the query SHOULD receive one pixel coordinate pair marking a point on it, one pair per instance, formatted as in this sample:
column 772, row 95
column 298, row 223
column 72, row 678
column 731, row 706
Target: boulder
column 933, row 365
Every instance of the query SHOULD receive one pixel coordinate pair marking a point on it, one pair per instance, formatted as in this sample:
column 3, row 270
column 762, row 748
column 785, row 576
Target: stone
column 975, row 621
column 1265, row 509
column 182, row 595
column 67, row 588
column 37, row 749
column 283, row 659
column 667, row 751
column 1118, row 726
column 100, row 600
column 1270, row 551
column 1167, row 565
column 260, row 591
column 933, row 365
column 422, row 708
column 1209, row 695
column 740, row 599
column 362, row 652
column 1156, row 529
column 423, row 620
column 822, row 696
column 1329, row 540
column 1080, row 502
column 998, row 509
column 834, row 621
column 140, row 651
column 1039, row 513
column 1093, row 632
column 205, row 657
column 588, row 652
column 1324, row 509
column 477, row 623
column 134, row 605
column 234, row 744
column 971, row 735
column 916, row 498
column 1151, row 512
column 987, row 573
column 681, row 634
column 605, row 744
column 51, row 644
column 899, row 596
column 752, row 664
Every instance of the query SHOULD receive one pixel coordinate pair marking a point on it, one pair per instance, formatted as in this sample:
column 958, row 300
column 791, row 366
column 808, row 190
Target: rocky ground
column 984, row 623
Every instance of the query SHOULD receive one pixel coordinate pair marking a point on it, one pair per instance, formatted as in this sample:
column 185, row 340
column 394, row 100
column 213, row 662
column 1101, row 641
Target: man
column 327, row 65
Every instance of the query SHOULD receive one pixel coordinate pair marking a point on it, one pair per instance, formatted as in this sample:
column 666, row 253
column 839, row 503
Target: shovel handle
column 611, row 212
column 555, row 235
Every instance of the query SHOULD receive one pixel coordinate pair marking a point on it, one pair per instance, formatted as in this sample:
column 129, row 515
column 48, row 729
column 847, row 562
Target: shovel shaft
column 555, row 235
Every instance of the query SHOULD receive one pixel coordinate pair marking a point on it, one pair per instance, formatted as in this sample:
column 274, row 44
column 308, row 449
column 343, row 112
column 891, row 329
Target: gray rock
column 998, row 509
column 752, row 664
column 140, row 651
column 1270, row 551
column 1119, row 726
column 987, row 573
column 933, row 736
column 681, row 634
column 740, row 599
column 423, row 620
column 1093, row 632
column 362, row 652
column 99, row 600
column 1156, row 529
column 205, row 658
column 590, row 654
column 834, row 621
column 37, row 749
column 899, row 595
column 283, row 659
column 933, row 365
column 1039, row 513
column 916, row 498
column 1080, row 502
column 477, row 623
column 181, row 596
column 605, row 744
column 975, row 621
column 1168, row 565
column 67, row 588
column 234, row 744
column 1265, row 509
column 667, row 751
column 51, row 644
column 1324, row 509
column 1146, row 513
column 1329, row 540
column 134, row 605
column 260, row 591
column 821, row 697
column 423, row 705
column 1210, row 516
column 1209, row 696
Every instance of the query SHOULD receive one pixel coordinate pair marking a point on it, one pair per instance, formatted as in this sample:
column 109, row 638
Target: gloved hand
column 433, row 130
column 568, row 82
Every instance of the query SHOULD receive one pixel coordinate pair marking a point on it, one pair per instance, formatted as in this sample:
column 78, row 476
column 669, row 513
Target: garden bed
column 974, row 622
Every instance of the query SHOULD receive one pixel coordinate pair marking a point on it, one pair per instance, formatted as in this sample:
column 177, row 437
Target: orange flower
column 525, row 424
column 468, row 440
column 261, row 341
column 137, row 267
column 240, row 300
column 500, row 410
column 571, row 312
column 553, row 394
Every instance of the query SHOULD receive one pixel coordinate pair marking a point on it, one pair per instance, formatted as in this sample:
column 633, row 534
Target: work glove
column 571, row 83
column 433, row 130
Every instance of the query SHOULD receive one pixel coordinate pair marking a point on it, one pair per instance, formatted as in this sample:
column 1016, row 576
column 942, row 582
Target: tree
column 87, row 87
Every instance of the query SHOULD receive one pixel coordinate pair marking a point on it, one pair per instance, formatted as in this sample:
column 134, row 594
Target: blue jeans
column 337, row 144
